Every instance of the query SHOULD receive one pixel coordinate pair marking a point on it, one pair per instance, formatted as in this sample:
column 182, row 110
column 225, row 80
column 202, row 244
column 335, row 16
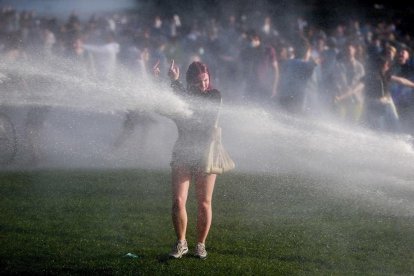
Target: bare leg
column 36, row 117
column 180, row 183
column 127, row 129
column 204, row 189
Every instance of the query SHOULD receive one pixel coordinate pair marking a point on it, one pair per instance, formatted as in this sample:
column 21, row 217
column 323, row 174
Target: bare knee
column 204, row 204
column 178, row 204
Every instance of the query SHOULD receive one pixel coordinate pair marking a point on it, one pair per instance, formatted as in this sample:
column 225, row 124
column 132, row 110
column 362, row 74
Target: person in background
column 36, row 114
column 403, row 96
column 138, row 119
column 390, row 54
column 380, row 110
column 105, row 57
column 260, row 70
column 294, row 80
column 349, row 100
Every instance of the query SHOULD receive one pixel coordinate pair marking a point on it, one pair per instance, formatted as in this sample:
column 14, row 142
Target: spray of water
column 63, row 83
column 354, row 162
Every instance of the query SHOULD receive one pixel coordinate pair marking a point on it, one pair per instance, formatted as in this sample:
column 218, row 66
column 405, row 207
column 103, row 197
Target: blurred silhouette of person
column 349, row 71
column 82, row 59
column 390, row 54
column 36, row 114
column 105, row 57
column 229, row 44
column 48, row 42
column 380, row 110
column 325, row 79
column 175, row 26
column 268, row 32
column 403, row 96
column 137, row 119
column 260, row 71
column 295, row 77
column 35, row 119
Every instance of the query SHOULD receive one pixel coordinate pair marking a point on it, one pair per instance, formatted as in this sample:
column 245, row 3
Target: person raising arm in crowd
column 194, row 135
column 380, row 110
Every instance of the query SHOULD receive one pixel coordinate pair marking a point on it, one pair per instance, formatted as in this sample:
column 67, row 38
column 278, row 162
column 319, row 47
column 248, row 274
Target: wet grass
column 85, row 222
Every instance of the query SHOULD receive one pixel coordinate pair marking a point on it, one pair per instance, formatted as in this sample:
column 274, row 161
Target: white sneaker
column 179, row 249
column 200, row 251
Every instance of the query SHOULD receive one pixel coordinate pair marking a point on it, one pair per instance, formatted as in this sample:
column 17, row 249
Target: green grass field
column 85, row 222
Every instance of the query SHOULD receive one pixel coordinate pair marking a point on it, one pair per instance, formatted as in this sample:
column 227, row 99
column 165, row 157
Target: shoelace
column 180, row 246
column 201, row 248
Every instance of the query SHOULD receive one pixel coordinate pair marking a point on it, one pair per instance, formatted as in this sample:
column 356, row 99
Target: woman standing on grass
column 194, row 135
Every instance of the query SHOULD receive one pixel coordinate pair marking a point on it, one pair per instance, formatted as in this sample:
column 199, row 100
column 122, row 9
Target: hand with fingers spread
column 174, row 72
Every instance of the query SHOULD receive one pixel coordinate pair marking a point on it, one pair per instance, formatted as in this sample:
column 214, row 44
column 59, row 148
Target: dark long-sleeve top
column 295, row 76
column 195, row 132
column 376, row 85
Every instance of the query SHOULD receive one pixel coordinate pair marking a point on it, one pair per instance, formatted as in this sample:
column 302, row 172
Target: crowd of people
column 359, row 72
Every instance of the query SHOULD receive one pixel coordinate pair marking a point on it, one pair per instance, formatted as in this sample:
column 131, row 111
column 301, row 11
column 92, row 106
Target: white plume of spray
column 64, row 83
column 353, row 162
column 85, row 113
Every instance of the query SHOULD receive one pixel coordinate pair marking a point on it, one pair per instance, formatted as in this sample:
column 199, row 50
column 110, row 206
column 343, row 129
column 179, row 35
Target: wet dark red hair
column 194, row 70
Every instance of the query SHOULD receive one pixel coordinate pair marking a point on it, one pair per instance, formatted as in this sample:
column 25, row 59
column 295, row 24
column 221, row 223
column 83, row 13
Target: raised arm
column 174, row 72
column 402, row 81
column 276, row 76
column 156, row 69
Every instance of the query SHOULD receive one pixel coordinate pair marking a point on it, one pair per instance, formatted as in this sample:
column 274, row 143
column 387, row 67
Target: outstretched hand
column 156, row 69
column 174, row 72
